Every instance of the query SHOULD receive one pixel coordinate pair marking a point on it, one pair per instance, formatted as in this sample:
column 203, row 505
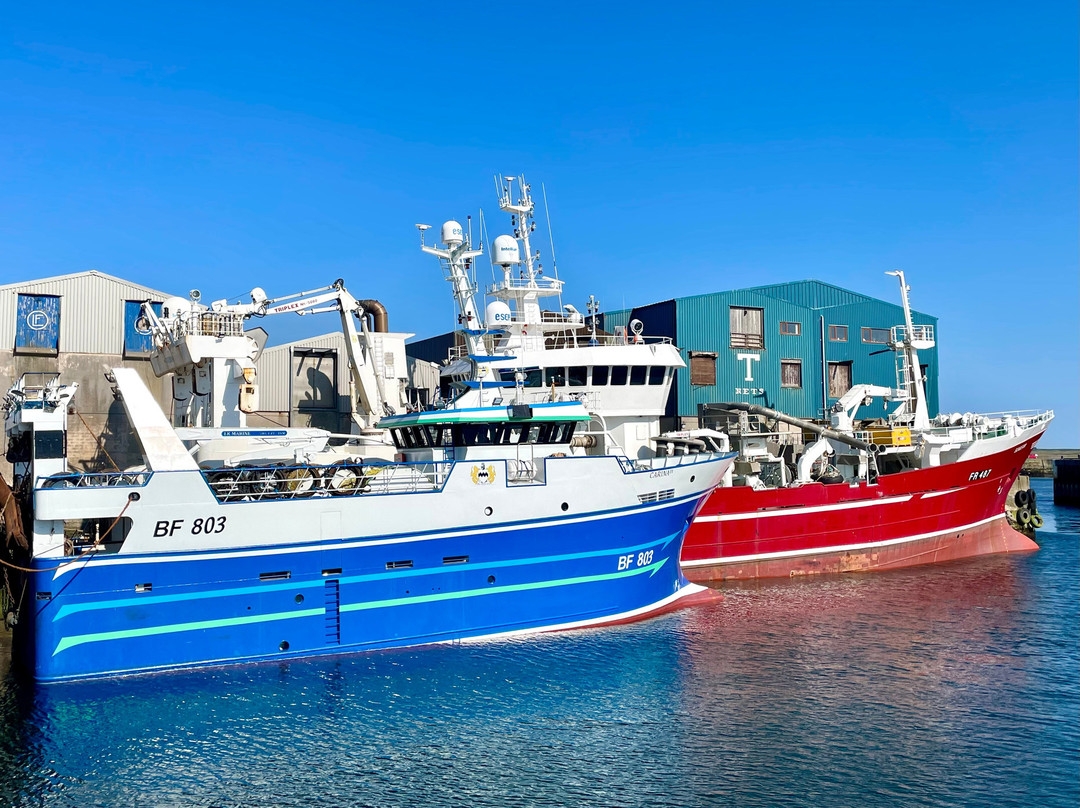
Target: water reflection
column 951, row 684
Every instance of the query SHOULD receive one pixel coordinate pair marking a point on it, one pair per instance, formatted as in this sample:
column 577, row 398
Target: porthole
column 299, row 598
column 491, row 579
column 488, row 511
column 284, row 645
column 565, row 506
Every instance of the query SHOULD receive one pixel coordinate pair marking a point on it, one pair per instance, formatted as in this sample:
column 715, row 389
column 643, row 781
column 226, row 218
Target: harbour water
column 955, row 684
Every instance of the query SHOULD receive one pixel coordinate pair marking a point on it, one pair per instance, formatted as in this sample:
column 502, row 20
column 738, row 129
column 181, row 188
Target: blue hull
column 114, row 614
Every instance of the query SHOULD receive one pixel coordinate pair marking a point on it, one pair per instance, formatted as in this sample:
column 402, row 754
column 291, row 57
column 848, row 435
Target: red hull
column 916, row 517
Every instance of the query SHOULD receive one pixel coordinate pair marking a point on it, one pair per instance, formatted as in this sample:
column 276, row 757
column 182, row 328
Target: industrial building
column 795, row 347
column 85, row 324
column 306, row 383
column 81, row 326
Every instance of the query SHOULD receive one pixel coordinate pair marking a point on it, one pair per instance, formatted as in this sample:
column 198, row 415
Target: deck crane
column 212, row 358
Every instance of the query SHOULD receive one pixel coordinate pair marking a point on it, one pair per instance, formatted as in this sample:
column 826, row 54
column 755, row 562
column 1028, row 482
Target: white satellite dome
column 497, row 314
column 452, row 234
column 505, row 251
column 178, row 306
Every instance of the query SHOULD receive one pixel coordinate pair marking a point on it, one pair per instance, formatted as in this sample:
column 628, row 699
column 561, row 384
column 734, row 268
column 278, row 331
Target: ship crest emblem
column 483, row 475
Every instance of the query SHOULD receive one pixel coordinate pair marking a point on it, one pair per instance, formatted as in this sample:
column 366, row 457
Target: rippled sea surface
column 954, row 684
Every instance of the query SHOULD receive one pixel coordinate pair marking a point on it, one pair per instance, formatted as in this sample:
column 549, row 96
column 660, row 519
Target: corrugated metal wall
column 274, row 372
column 432, row 349
column 811, row 294
column 744, row 374
column 91, row 309
column 754, row 375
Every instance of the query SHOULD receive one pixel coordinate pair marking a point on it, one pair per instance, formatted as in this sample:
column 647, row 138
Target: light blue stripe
column 79, row 639
column 175, row 628
column 498, row 590
column 75, row 608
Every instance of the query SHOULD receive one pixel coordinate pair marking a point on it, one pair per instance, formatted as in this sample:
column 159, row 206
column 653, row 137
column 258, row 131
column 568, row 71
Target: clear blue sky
column 685, row 149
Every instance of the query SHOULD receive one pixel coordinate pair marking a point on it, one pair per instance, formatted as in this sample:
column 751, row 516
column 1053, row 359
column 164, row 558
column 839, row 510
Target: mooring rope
column 97, row 439
column 94, row 547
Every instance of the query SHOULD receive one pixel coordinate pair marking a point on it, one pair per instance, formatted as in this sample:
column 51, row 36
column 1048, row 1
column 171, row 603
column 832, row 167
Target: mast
column 456, row 260
column 908, row 370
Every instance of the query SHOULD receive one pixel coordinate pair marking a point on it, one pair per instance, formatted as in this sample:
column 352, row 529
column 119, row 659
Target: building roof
column 813, row 294
column 54, row 279
column 810, row 294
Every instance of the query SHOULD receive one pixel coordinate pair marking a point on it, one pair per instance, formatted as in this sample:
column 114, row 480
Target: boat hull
column 916, row 517
column 107, row 615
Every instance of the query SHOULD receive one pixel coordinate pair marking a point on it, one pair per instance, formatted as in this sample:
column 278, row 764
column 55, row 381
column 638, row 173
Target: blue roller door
column 137, row 340
column 37, row 324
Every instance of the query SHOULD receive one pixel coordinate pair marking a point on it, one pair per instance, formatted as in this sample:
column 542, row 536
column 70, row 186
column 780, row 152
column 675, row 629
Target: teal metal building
column 794, row 346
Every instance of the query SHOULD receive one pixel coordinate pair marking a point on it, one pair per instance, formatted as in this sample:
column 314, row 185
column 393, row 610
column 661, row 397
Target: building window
column 876, row 336
column 837, row 333
column 747, row 327
column 791, row 373
column 839, row 378
column 790, row 329
column 137, row 340
column 37, row 325
column 702, row 368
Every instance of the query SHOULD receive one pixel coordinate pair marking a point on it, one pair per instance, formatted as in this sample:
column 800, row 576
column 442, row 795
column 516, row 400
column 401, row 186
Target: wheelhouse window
column 875, row 336
column 791, row 373
column 637, row 374
column 790, row 329
column 578, row 376
column 702, row 368
column 656, row 374
column 533, row 377
column 747, row 327
column 426, row 436
column 600, row 374
column 618, row 374
column 837, row 333
column 555, row 377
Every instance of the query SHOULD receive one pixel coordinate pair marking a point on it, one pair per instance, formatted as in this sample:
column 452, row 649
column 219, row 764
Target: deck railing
column 97, row 479
column 247, row 484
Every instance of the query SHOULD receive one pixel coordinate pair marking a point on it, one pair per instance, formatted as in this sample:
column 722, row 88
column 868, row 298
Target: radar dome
column 452, row 234
column 497, row 314
column 505, row 251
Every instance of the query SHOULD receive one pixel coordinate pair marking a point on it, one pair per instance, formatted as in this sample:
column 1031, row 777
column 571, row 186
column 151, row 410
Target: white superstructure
column 553, row 352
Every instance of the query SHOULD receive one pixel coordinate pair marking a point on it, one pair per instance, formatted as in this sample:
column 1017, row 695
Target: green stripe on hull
column 175, row 628
column 498, row 590
column 147, row 600
column 80, row 639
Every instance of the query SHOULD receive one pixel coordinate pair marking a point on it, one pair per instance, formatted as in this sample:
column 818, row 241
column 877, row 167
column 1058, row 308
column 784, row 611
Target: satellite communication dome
column 176, row 306
column 497, row 314
column 452, row 234
column 505, row 251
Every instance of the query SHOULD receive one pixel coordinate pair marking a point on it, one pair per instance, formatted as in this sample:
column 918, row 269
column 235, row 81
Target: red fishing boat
column 903, row 491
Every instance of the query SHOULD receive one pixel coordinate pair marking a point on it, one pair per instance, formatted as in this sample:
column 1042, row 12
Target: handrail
column 97, row 479
column 345, row 478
